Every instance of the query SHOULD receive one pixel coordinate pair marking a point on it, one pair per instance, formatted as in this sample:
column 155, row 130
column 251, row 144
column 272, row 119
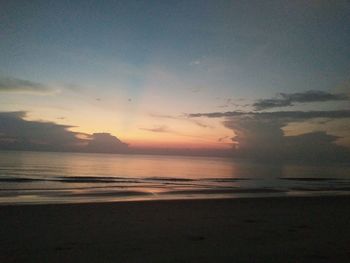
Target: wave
column 92, row 179
column 19, row 179
column 66, row 193
column 310, row 179
column 70, row 179
column 224, row 180
column 227, row 191
column 109, row 194
column 173, row 179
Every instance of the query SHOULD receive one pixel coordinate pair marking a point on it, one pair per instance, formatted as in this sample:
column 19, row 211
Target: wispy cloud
column 285, row 99
column 161, row 128
column 200, row 123
column 8, row 84
column 301, row 115
column 164, row 116
column 183, row 117
column 221, row 139
column 166, row 129
column 195, row 62
column 196, row 89
column 233, row 103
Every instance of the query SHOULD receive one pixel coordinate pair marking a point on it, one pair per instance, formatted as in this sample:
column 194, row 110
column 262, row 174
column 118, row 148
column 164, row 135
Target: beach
column 283, row 229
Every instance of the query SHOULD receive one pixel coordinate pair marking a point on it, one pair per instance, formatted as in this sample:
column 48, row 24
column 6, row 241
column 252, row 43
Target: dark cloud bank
column 259, row 135
column 284, row 99
column 19, row 134
column 16, row 133
column 291, row 115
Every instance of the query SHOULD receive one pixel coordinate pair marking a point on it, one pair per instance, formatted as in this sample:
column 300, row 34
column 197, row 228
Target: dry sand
column 313, row 229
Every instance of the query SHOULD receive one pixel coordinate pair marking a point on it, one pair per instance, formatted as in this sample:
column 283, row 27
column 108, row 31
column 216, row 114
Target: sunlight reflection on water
column 32, row 177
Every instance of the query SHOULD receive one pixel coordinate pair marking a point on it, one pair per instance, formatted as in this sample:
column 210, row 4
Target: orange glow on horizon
column 178, row 145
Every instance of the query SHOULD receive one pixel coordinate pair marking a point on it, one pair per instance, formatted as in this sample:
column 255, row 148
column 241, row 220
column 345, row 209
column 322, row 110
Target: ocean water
column 42, row 177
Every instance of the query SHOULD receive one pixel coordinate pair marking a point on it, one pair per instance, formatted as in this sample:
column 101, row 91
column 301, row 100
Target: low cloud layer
column 16, row 133
column 293, row 115
column 285, row 99
column 264, row 139
column 260, row 135
column 8, row 84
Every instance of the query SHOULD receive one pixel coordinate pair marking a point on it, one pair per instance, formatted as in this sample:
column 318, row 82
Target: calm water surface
column 34, row 177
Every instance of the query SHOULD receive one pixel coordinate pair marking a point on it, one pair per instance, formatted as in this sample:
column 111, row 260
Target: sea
column 50, row 177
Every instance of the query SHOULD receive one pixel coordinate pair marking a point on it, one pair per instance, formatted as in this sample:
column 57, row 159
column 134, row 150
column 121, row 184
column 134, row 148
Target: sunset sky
column 178, row 74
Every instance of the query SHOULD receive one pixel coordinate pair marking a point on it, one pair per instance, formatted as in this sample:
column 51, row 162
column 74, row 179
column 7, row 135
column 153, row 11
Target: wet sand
column 298, row 229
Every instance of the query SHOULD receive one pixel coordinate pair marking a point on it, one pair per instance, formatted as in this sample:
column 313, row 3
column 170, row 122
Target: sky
column 248, row 78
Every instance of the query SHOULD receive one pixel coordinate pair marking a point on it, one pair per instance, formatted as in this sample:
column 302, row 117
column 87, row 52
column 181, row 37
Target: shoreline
column 277, row 229
column 302, row 195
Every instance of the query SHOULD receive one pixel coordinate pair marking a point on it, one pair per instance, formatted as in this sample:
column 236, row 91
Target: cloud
column 16, row 85
column 316, row 146
column 260, row 135
column 196, row 89
column 19, row 134
column 105, row 143
column 292, row 115
column 163, row 116
column 195, row 62
column 236, row 103
column 182, row 117
column 201, row 124
column 285, row 99
column 166, row 129
column 221, row 139
column 264, row 139
column 161, row 128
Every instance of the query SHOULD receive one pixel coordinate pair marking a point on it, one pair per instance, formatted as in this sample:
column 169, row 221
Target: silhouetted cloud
column 17, row 133
column 285, row 99
column 259, row 135
column 8, row 84
column 105, row 143
column 263, row 138
column 316, row 146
